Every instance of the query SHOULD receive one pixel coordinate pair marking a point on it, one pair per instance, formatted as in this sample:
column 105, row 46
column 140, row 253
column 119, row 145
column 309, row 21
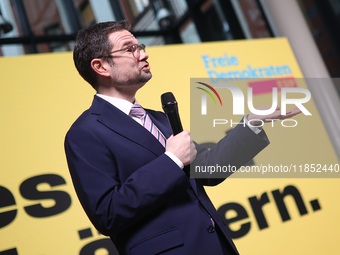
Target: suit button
column 211, row 229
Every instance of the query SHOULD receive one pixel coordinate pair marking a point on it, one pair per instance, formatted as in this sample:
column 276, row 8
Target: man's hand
column 182, row 147
column 276, row 115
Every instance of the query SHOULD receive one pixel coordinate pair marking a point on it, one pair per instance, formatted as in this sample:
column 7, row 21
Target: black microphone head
column 170, row 108
column 168, row 101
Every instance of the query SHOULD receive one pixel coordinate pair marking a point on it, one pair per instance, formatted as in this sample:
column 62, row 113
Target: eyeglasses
column 134, row 49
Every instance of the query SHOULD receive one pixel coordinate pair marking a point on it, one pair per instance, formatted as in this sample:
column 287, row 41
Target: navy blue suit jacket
column 134, row 193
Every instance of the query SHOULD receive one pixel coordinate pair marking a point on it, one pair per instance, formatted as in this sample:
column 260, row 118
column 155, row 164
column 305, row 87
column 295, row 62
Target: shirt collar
column 121, row 104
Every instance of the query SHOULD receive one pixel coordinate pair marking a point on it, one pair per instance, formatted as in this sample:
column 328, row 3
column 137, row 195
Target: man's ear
column 100, row 66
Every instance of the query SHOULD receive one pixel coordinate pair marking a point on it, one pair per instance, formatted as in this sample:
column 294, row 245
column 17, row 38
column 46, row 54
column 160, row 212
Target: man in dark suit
column 131, row 185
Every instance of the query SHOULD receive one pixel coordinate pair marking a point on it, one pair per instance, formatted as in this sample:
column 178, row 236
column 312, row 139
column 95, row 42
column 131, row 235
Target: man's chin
column 146, row 77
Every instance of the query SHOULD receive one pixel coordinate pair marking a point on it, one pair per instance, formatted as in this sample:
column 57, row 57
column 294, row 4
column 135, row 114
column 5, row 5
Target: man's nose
column 143, row 55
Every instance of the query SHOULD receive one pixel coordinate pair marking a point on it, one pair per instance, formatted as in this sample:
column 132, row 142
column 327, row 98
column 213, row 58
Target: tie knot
column 137, row 111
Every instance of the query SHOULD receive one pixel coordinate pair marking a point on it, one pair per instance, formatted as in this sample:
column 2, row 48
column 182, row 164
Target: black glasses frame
column 132, row 48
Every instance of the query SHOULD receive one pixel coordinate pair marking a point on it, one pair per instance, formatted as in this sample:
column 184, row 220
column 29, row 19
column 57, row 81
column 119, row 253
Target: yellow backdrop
column 41, row 96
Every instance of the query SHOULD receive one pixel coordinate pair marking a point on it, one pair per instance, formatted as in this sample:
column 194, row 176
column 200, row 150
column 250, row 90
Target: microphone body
column 170, row 108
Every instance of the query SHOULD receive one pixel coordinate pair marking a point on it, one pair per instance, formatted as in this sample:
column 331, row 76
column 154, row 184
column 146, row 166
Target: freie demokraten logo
column 238, row 103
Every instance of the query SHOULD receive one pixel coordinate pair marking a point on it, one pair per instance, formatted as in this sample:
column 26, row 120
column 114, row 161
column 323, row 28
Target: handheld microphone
column 170, row 108
column 169, row 105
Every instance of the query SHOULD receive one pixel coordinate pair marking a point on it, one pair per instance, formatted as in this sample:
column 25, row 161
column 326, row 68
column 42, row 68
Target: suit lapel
column 119, row 122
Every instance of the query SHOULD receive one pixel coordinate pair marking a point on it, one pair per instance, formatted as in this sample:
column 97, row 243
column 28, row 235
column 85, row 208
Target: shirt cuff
column 256, row 130
column 174, row 159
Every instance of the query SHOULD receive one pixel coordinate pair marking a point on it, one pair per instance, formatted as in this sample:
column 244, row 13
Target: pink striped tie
column 139, row 112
